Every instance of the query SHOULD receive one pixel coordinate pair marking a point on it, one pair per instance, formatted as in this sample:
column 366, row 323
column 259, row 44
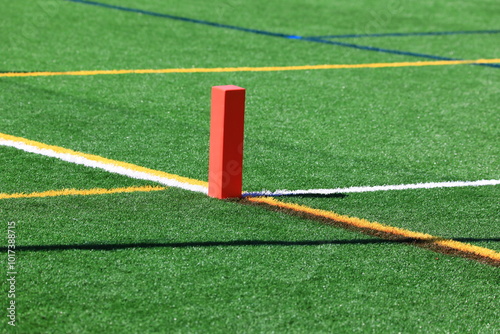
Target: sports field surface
column 371, row 167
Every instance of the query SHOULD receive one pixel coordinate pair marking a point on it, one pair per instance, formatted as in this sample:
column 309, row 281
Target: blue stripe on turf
column 403, row 34
column 185, row 19
column 269, row 33
column 372, row 48
column 397, row 52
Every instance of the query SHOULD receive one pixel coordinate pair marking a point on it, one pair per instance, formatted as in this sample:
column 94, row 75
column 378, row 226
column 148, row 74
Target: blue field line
column 185, row 19
column 397, row 52
column 372, row 48
column 272, row 34
column 405, row 34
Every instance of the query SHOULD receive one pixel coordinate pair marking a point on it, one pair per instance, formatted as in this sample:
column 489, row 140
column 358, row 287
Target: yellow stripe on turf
column 81, row 192
column 254, row 69
column 440, row 243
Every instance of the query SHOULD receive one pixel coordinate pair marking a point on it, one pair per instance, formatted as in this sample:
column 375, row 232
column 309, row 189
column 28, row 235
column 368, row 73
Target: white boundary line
column 129, row 170
column 171, row 180
column 429, row 185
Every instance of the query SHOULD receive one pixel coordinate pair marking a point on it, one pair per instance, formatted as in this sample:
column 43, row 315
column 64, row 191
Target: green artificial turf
column 466, row 214
column 181, row 262
column 344, row 127
column 212, row 266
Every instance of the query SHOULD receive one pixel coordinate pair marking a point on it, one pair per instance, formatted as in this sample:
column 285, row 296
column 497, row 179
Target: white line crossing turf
column 113, row 166
column 363, row 189
column 172, row 180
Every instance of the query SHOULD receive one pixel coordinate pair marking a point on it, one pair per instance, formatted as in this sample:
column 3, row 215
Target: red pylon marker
column 225, row 163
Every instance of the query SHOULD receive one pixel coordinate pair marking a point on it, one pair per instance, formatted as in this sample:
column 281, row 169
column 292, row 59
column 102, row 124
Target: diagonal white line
column 429, row 185
column 75, row 158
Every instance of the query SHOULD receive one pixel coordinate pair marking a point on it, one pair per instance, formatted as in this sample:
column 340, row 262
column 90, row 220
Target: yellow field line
column 255, row 69
column 439, row 243
column 81, row 192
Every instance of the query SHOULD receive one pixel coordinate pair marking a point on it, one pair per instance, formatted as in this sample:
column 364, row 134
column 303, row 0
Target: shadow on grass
column 334, row 195
column 234, row 243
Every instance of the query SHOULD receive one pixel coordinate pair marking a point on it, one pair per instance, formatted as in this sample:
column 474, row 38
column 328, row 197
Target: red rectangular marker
column 225, row 166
